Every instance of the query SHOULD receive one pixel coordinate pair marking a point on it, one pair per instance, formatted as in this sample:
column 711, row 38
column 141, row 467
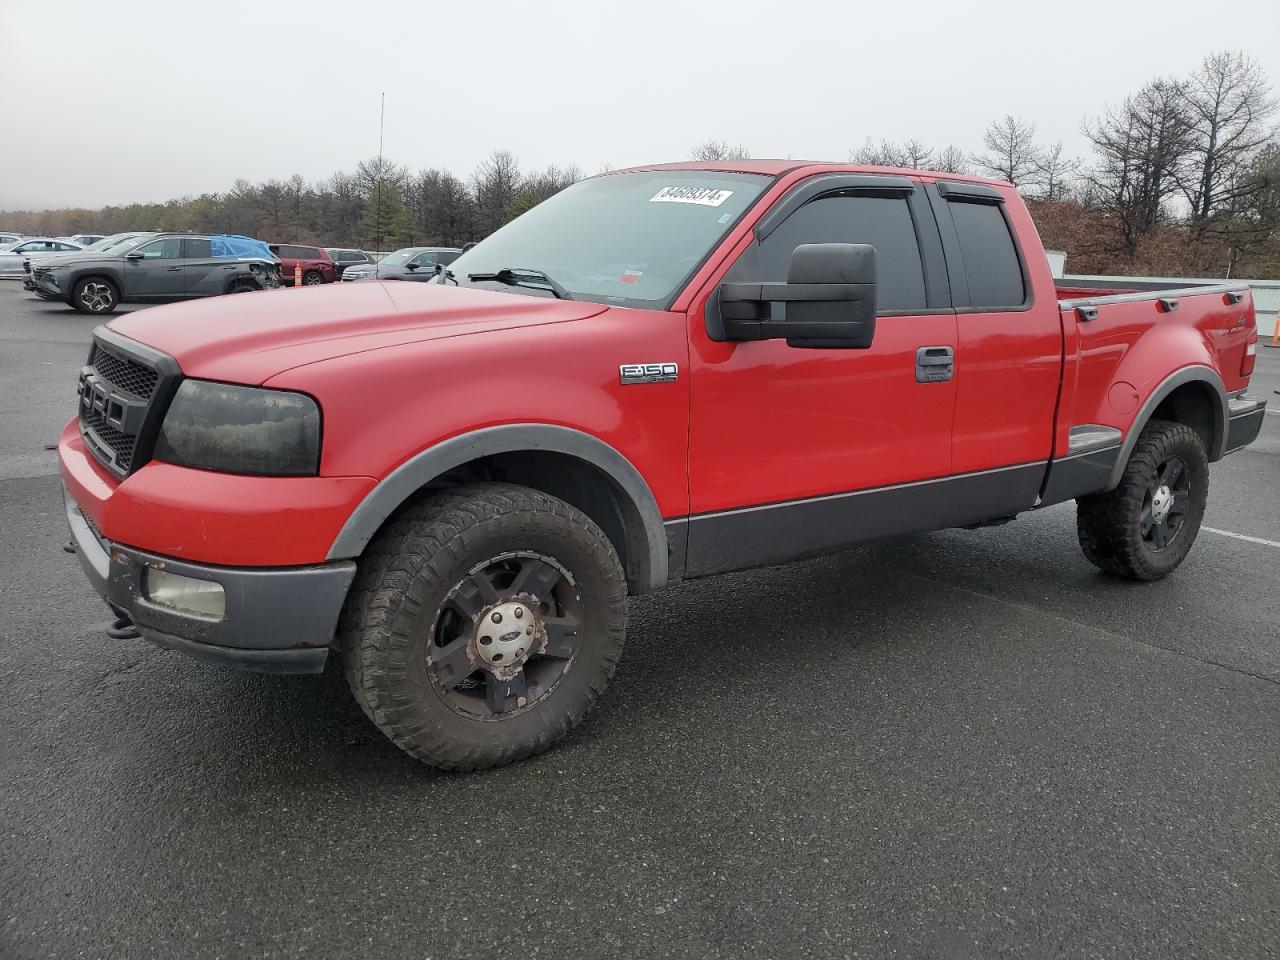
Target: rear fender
column 1187, row 375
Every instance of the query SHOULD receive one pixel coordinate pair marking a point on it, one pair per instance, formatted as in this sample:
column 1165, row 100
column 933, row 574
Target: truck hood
column 251, row 337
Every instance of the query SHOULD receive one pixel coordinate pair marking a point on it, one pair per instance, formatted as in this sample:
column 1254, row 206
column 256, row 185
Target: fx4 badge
column 648, row 373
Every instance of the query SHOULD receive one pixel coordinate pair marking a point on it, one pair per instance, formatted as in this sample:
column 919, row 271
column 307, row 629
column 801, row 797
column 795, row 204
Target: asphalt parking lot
column 967, row 744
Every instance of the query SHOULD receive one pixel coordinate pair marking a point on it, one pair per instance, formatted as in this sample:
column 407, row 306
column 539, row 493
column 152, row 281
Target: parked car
column 9, row 238
column 343, row 258
column 316, row 265
column 11, row 256
column 657, row 374
column 152, row 267
column 28, row 280
column 86, row 239
column 411, row 263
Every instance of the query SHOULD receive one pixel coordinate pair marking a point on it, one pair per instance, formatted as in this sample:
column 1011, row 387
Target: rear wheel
column 483, row 625
column 96, row 295
column 311, row 278
column 1144, row 528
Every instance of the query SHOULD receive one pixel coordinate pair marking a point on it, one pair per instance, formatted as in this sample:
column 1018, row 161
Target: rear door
column 204, row 275
column 156, row 271
column 796, row 451
column 1009, row 359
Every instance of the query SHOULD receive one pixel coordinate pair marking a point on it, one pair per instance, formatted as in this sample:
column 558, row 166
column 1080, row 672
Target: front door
column 797, row 451
column 154, row 270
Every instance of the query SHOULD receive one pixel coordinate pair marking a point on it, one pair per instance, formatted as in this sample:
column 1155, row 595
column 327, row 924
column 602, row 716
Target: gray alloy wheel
column 95, row 295
column 312, row 279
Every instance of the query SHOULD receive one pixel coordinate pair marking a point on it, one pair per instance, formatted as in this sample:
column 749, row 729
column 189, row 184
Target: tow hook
column 122, row 628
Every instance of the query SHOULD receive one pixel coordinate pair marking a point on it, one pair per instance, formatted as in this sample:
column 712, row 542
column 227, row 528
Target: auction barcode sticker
column 703, row 196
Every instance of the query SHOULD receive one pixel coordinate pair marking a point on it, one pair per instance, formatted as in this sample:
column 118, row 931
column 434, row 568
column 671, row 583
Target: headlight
column 232, row 429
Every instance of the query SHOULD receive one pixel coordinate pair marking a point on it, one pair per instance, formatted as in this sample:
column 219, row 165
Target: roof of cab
column 776, row 168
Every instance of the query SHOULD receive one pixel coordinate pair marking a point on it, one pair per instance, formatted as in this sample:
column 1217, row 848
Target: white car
column 8, row 238
column 12, row 255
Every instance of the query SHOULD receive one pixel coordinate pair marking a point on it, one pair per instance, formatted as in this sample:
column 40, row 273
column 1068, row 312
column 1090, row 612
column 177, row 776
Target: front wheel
column 483, row 625
column 96, row 295
column 1144, row 528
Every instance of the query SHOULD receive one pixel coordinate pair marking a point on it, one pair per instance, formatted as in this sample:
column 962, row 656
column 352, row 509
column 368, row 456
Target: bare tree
column 1229, row 103
column 1139, row 147
column 719, row 150
column 951, row 159
column 495, row 184
column 1055, row 173
column 911, row 154
column 1011, row 152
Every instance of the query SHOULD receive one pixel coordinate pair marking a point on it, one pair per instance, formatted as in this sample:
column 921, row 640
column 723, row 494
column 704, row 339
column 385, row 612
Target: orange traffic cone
column 297, row 274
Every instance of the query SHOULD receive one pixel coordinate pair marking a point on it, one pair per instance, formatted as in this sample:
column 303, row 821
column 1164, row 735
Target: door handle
column 174, row 269
column 934, row 364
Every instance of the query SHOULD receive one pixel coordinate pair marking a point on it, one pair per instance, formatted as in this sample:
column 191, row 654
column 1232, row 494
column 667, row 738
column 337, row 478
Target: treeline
column 380, row 205
column 1182, row 178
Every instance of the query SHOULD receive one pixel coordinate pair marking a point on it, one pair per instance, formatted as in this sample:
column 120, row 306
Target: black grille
column 123, row 373
column 118, row 443
column 124, row 391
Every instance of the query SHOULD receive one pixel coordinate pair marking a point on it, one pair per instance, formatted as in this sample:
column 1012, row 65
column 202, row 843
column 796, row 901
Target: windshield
column 400, row 257
column 119, row 243
column 627, row 238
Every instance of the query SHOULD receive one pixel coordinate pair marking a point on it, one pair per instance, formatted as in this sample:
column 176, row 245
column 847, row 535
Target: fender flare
column 1194, row 374
column 420, row 469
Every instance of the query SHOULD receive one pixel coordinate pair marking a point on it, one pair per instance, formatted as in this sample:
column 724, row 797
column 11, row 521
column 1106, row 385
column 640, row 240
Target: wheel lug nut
column 497, row 618
column 528, row 630
column 520, row 652
column 519, row 612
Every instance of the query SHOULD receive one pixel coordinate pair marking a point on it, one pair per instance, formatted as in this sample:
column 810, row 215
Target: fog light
column 186, row 593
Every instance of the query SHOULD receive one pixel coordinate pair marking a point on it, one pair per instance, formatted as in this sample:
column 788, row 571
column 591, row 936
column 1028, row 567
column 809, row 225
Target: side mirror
column 830, row 293
column 411, row 266
column 135, row 255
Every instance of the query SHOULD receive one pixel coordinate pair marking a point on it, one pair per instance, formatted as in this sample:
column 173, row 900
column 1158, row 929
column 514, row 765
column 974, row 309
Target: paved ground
column 958, row 745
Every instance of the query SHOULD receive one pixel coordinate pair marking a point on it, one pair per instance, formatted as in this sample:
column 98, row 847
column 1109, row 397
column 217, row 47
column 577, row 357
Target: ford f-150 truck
column 661, row 373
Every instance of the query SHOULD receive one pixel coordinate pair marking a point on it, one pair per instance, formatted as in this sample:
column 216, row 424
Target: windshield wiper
column 515, row 276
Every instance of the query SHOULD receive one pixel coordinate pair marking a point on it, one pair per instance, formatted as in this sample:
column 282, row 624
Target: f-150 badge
column 648, row 373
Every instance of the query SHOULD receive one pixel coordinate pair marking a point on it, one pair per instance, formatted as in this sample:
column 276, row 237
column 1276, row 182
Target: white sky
column 113, row 102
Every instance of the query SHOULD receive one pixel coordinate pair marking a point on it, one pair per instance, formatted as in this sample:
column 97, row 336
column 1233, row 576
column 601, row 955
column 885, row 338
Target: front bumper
column 1244, row 422
column 277, row 620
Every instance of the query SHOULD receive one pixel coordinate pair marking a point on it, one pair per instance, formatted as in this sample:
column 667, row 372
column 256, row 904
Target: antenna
column 377, row 187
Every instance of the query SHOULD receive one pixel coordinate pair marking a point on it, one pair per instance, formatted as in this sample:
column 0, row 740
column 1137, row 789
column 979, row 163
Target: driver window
column 425, row 260
column 170, row 248
column 882, row 221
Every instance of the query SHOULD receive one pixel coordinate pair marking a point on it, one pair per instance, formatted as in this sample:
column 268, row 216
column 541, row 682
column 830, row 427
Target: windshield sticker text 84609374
column 703, row 196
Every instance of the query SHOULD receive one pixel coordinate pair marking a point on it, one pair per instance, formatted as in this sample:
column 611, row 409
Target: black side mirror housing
column 135, row 255
column 830, row 293
column 411, row 266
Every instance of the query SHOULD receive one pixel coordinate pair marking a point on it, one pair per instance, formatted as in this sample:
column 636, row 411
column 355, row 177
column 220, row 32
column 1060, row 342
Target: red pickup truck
column 660, row 373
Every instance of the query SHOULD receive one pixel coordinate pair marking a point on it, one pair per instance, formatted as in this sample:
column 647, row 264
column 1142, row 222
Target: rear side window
column 196, row 248
column 884, row 222
column 450, row 256
column 990, row 258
